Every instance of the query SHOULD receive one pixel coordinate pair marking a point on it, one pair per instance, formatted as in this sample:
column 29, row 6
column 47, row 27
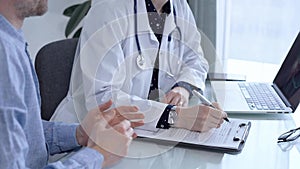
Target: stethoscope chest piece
column 140, row 61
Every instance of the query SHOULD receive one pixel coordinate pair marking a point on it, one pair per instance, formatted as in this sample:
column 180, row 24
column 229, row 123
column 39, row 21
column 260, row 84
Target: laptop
column 280, row 96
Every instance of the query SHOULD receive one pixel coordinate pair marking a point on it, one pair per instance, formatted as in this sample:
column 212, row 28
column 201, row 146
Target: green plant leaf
column 77, row 33
column 69, row 11
column 78, row 14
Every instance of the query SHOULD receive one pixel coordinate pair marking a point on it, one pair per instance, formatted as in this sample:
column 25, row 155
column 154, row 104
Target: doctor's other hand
column 178, row 96
column 111, row 141
column 200, row 117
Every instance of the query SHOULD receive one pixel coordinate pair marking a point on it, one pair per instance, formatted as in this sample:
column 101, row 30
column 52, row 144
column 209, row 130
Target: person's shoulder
column 105, row 11
column 5, row 42
column 112, row 6
column 106, row 17
column 182, row 4
column 8, row 47
column 184, row 10
column 183, row 7
column 3, row 36
column 112, row 2
column 6, row 38
column 8, row 63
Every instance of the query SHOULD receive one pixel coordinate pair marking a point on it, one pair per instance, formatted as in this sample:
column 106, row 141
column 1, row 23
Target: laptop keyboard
column 259, row 96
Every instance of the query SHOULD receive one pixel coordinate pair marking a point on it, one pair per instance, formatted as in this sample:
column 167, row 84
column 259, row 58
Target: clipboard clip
column 243, row 138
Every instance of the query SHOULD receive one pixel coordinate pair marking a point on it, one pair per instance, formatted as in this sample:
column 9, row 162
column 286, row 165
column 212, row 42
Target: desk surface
column 261, row 150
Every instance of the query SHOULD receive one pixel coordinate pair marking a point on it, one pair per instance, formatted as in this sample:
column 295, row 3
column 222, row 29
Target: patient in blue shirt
column 26, row 140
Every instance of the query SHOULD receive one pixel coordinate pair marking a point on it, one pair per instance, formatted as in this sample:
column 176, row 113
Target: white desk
column 261, row 150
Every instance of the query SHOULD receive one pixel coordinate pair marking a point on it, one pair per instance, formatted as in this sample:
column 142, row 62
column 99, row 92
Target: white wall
column 50, row 27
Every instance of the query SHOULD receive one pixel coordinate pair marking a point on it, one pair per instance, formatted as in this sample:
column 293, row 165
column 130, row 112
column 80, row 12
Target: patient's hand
column 120, row 114
column 109, row 131
column 130, row 113
column 111, row 141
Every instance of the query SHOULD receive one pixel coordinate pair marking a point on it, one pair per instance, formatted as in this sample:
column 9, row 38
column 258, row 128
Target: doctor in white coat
column 116, row 56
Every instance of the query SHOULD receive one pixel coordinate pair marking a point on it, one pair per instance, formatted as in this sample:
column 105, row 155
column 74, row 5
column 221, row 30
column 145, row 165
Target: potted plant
column 76, row 13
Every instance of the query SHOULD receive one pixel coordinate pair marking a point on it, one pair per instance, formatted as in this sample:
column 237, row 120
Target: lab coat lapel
column 145, row 29
column 170, row 22
column 169, row 27
column 143, row 20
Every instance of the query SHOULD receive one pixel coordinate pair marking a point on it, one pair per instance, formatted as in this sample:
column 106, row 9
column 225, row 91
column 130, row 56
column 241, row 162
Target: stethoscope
column 140, row 60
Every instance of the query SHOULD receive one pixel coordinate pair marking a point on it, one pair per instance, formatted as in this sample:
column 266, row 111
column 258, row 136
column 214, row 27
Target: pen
column 205, row 101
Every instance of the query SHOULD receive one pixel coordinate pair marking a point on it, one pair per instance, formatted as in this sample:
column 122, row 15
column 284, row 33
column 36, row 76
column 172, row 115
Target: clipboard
column 229, row 138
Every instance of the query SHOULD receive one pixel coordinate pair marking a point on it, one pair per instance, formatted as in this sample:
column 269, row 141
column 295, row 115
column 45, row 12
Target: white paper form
column 229, row 135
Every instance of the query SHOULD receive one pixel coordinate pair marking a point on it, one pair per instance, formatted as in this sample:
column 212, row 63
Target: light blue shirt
column 26, row 140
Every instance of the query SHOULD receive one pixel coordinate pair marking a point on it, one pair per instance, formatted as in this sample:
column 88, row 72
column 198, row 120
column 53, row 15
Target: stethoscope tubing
column 140, row 58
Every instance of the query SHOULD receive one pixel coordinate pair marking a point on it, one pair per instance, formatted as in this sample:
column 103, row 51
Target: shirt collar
column 10, row 30
column 143, row 21
column 165, row 9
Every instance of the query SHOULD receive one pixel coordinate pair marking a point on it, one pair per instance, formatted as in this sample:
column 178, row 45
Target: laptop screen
column 288, row 77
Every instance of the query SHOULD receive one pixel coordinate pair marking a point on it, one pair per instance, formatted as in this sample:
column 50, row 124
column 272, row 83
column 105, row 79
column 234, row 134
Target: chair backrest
column 53, row 65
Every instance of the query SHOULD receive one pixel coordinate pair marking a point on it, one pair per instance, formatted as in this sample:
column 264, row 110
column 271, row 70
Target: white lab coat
column 105, row 65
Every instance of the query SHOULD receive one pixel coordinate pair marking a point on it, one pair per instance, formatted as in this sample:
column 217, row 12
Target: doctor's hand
column 200, row 117
column 178, row 96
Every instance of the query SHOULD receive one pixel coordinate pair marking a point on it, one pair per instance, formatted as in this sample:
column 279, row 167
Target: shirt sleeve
column 195, row 67
column 14, row 146
column 188, row 87
column 60, row 137
column 163, row 120
column 82, row 159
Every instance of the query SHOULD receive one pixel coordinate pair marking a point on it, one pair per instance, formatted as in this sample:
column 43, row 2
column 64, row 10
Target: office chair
column 53, row 66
